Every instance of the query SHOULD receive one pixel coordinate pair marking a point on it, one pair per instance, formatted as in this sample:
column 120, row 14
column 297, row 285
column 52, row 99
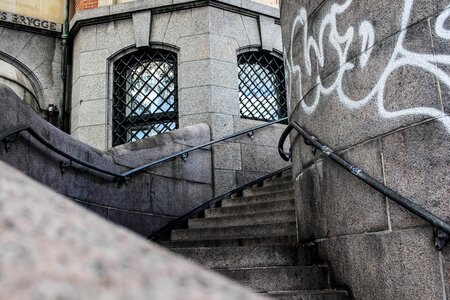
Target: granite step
column 248, row 209
column 281, row 216
column 286, row 195
column 241, row 257
column 278, row 180
column 285, row 240
column 310, row 295
column 272, row 189
column 274, row 229
column 280, row 278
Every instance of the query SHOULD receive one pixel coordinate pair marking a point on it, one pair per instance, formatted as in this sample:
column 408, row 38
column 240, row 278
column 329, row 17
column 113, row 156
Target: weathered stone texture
column 386, row 265
column 39, row 56
column 328, row 208
column 148, row 199
column 54, row 249
column 372, row 83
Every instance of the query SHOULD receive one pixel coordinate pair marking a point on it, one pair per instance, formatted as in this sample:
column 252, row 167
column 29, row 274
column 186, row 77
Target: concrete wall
column 146, row 203
column 371, row 79
column 207, row 38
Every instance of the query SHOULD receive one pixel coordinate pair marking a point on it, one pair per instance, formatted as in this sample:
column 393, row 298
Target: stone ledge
column 55, row 249
column 125, row 10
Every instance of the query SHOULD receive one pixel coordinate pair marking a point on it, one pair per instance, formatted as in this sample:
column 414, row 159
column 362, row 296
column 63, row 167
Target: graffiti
column 400, row 57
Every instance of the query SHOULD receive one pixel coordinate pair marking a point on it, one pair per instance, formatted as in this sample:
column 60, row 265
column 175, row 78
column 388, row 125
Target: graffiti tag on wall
column 400, row 57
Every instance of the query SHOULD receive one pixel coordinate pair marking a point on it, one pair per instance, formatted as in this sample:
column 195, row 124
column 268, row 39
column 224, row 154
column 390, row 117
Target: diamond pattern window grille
column 262, row 91
column 145, row 95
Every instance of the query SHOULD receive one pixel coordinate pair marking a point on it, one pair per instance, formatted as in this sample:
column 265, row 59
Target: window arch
column 145, row 100
column 20, row 83
column 262, row 91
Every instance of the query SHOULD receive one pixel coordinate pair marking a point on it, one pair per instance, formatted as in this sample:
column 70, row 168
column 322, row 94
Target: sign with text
column 29, row 21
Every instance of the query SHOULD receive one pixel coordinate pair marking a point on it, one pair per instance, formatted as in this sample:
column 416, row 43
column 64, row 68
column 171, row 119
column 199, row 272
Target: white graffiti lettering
column 400, row 57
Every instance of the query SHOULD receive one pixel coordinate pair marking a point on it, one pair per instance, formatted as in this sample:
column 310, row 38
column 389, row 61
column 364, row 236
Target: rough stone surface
column 327, row 208
column 370, row 80
column 387, row 265
column 141, row 23
column 148, row 199
column 39, row 57
column 54, row 249
column 228, row 156
column 416, row 162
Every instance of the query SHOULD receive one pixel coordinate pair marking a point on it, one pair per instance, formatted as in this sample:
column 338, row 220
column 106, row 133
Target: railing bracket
column 441, row 238
column 64, row 165
column 9, row 140
column 307, row 142
column 184, row 156
column 122, row 181
column 251, row 134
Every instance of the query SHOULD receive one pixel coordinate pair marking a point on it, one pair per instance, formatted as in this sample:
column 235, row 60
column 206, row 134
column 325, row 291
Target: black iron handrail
column 442, row 237
column 11, row 134
column 181, row 220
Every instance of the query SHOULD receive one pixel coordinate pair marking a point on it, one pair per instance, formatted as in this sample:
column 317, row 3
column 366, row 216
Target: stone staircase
column 252, row 239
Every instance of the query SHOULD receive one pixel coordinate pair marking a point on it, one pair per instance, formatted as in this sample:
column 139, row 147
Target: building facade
column 135, row 69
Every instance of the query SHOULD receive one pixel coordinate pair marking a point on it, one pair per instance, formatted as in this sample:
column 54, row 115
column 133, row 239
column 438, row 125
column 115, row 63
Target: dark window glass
column 262, row 91
column 145, row 95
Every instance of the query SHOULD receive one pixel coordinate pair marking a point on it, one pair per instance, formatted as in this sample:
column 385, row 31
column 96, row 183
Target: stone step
column 241, row 257
column 234, row 232
column 310, row 295
column 280, row 278
column 273, row 189
column 242, row 220
column 248, row 209
column 278, row 180
column 286, row 195
column 232, row 242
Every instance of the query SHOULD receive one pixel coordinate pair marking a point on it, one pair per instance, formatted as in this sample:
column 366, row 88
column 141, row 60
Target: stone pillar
column 371, row 79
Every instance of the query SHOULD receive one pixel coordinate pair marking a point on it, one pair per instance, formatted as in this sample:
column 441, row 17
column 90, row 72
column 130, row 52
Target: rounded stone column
column 371, row 79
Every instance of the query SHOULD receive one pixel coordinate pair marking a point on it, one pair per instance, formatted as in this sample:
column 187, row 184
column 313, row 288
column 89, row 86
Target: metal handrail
column 181, row 220
column 441, row 237
column 11, row 134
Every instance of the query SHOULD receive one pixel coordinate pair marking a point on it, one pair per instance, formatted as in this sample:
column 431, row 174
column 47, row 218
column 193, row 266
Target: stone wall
column 207, row 36
column 371, row 79
column 149, row 200
column 38, row 57
column 53, row 249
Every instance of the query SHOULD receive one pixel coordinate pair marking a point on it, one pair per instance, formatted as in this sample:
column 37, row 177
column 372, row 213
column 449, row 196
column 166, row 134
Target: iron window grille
column 262, row 90
column 145, row 95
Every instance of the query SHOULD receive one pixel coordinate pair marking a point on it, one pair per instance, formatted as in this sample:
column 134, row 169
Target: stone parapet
column 371, row 80
column 149, row 200
column 54, row 249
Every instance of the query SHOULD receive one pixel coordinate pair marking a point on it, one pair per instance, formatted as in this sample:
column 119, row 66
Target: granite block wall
column 38, row 57
column 207, row 37
column 149, row 200
column 370, row 80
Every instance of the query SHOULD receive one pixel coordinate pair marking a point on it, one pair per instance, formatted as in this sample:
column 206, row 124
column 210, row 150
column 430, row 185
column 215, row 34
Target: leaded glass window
column 145, row 95
column 262, row 91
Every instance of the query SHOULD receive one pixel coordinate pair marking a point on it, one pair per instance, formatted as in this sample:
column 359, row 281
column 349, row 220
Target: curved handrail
column 356, row 171
column 195, row 211
column 10, row 135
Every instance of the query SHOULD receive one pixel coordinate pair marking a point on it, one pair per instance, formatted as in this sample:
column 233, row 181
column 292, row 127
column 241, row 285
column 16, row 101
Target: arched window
column 262, row 91
column 145, row 95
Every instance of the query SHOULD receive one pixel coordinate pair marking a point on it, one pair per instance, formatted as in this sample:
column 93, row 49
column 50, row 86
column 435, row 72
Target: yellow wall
column 110, row 2
column 51, row 10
